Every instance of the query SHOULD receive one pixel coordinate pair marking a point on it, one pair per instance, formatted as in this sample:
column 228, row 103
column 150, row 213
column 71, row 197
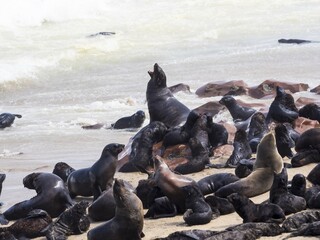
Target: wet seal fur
column 251, row 212
column 294, row 221
column 7, row 119
column 97, row 178
column 128, row 221
column 267, row 162
column 52, row 196
column 280, row 195
column 72, row 221
column 162, row 105
column 134, row 121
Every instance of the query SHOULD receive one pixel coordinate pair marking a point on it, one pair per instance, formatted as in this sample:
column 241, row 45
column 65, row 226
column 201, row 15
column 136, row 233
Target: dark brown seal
column 63, row 170
column 294, row 221
column 31, row 226
column 97, row 178
column 134, row 121
column 72, row 221
column 311, row 111
column 128, row 221
column 162, row 105
column 7, row 119
column 52, row 196
column 280, row 195
column 251, row 212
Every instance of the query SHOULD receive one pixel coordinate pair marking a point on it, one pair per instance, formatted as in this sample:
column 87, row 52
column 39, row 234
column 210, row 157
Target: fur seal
column 294, row 221
column 104, row 207
column 241, row 150
column 63, row 170
column 298, row 185
column 7, row 119
column 97, row 178
column 256, row 130
column 198, row 210
column 279, row 195
column 134, row 121
column 212, row 183
column 284, row 141
column 251, row 212
column 72, row 221
column 217, row 133
column 311, row 111
column 282, row 109
column 307, row 148
column 31, row 226
column 171, row 183
column 52, row 196
column 162, row 105
column 142, row 146
column 293, row 41
column 128, row 220
column 244, row 168
column 267, row 162
column 219, row 205
column 266, row 229
column 314, row 175
column 307, row 229
column 238, row 112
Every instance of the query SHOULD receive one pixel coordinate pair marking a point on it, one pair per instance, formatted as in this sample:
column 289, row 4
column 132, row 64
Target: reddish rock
column 212, row 89
column 302, row 124
column 268, row 88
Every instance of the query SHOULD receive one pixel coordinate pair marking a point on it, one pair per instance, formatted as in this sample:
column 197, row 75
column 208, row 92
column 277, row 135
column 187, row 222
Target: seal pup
column 72, row 221
column 219, row 205
column 283, row 108
column 294, row 221
column 267, row 162
column 311, row 111
column 293, row 41
column 97, row 178
column 127, row 224
column 307, row 148
column 314, row 175
column 238, row 112
column 7, row 119
column 256, row 130
column 31, row 226
column 284, row 141
column 134, row 121
column 251, row 212
column 266, row 229
column 298, row 185
column 52, row 196
column 198, row 210
column 241, row 150
column 162, row 105
column 280, row 195
column 244, row 168
column 307, row 229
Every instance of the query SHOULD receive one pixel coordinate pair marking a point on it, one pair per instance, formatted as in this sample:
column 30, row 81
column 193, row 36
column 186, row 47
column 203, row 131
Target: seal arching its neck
column 267, row 154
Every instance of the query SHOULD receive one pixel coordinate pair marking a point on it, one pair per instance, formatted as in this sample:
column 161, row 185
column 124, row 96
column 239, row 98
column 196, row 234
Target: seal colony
column 178, row 141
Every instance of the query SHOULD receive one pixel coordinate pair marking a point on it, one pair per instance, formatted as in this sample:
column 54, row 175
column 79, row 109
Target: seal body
column 63, row 170
column 212, row 183
column 97, row 178
column 52, row 196
column 7, row 119
column 280, row 195
column 162, row 105
column 128, row 221
column 251, row 212
column 284, row 141
column 311, row 111
column 267, row 162
column 134, row 121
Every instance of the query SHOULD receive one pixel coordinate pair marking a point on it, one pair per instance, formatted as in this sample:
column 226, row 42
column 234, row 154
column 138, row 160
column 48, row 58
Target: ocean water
column 59, row 77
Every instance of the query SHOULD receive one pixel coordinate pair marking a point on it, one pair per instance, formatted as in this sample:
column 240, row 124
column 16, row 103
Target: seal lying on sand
column 162, row 105
column 267, row 162
column 31, row 226
column 128, row 221
column 294, row 221
column 52, row 196
column 307, row 148
column 97, row 178
column 251, row 212
column 7, row 119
